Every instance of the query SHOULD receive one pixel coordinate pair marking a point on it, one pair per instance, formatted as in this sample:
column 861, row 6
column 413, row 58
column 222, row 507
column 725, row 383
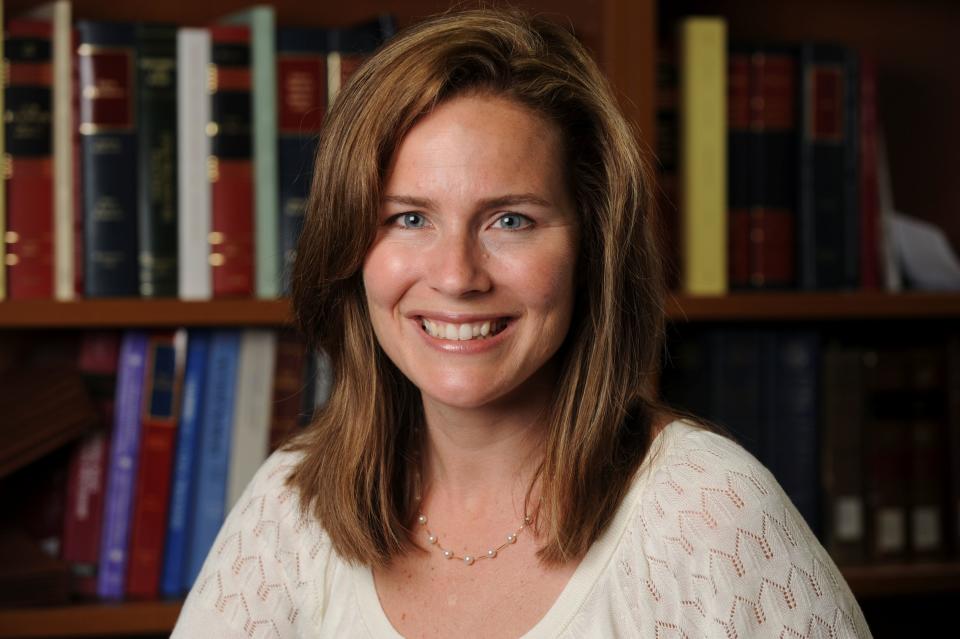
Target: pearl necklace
column 470, row 559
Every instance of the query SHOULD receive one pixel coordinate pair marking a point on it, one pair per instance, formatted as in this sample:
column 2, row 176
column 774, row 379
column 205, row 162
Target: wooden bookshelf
column 130, row 313
column 91, row 620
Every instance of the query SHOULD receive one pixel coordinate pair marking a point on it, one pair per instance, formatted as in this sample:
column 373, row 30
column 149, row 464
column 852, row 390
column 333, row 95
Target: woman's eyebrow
column 485, row 204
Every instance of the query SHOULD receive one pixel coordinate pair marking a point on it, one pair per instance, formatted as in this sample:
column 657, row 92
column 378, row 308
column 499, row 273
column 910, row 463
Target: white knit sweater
column 705, row 544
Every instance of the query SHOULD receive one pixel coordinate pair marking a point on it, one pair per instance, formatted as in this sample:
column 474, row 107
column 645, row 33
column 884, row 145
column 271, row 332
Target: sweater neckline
column 571, row 598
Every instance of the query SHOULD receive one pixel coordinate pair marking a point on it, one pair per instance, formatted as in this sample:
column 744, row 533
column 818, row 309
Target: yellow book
column 703, row 154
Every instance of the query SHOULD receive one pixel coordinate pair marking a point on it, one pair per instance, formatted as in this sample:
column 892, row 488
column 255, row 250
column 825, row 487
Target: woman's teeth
column 463, row 332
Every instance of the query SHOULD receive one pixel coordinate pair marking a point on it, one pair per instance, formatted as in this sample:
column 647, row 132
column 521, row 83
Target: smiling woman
column 478, row 261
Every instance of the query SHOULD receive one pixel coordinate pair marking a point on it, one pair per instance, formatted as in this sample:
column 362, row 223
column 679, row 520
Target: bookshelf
column 751, row 307
column 913, row 40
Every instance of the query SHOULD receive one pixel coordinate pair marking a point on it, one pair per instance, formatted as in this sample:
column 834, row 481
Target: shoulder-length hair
column 356, row 475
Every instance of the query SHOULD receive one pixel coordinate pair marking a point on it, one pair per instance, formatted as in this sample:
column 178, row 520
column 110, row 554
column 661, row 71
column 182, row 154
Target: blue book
column 122, row 467
column 107, row 57
column 173, row 581
column 215, row 430
column 792, row 443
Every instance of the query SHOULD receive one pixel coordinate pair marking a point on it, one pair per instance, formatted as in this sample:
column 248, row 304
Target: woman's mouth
column 464, row 331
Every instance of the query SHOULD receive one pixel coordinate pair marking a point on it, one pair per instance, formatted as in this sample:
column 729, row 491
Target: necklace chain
column 469, row 560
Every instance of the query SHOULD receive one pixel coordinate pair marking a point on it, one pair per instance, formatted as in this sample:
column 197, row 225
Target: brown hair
column 356, row 473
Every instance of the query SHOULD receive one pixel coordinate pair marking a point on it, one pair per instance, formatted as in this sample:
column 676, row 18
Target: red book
column 87, row 470
column 762, row 138
column 29, row 168
column 231, row 167
column 163, row 381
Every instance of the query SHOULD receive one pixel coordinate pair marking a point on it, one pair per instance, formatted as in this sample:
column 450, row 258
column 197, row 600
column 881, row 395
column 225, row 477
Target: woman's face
column 470, row 281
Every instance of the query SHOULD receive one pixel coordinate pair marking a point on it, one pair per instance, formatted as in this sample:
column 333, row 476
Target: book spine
column 209, row 500
column 83, row 515
column 122, row 469
column 928, row 467
column 763, row 133
column 887, row 454
column 250, row 439
column 3, row 182
column 193, row 152
column 703, row 155
column 173, row 581
column 231, row 168
column 108, row 126
column 828, row 217
column 162, row 384
column 842, row 467
column 737, row 385
column 667, row 150
column 65, row 235
column 302, row 103
column 791, row 441
column 28, row 170
column 263, row 45
column 157, row 156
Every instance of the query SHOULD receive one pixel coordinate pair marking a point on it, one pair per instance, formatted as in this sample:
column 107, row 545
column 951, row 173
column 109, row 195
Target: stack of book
column 772, row 166
column 147, row 160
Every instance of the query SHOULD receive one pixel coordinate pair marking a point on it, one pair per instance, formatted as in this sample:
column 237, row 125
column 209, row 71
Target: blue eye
column 513, row 221
column 411, row 220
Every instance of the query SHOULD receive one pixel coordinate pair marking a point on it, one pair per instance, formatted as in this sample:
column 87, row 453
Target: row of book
column 186, row 418
column 773, row 168
column 151, row 160
column 865, row 440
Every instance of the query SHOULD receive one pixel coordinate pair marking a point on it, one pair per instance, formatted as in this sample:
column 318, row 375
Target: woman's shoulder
column 712, row 527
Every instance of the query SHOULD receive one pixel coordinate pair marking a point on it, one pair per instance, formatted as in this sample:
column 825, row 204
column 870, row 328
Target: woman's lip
column 459, row 318
column 469, row 346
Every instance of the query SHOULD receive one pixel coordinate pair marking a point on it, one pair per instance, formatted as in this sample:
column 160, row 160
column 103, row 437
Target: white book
column 195, row 280
column 250, row 440
column 64, row 229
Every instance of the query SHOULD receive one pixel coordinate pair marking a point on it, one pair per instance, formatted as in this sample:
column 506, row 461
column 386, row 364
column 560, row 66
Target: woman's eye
column 512, row 221
column 411, row 220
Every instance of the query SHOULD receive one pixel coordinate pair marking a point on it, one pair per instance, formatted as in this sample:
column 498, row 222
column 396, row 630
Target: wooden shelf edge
column 765, row 306
column 156, row 617
column 128, row 313
column 800, row 306
column 903, row 579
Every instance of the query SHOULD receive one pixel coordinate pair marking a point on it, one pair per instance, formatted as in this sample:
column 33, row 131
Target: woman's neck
column 473, row 458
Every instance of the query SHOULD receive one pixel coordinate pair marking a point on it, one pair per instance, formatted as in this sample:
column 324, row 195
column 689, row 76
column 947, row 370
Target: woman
column 478, row 262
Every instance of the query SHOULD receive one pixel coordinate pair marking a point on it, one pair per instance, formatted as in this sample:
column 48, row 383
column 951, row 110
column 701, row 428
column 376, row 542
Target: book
column 28, row 89
column 250, row 438
column 194, row 279
column 173, row 580
column 216, row 427
column 828, row 216
column 762, row 166
column 703, row 155
column 260, row 20
column 302, row 104
column 107, row 59
column 162, row 385
column 122, row 467
column 156, row 159
column 230, row 168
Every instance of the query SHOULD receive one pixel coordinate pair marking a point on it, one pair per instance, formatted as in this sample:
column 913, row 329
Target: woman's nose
column 458, row 266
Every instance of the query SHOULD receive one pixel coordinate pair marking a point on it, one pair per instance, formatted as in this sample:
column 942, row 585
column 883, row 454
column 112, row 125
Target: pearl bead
column 468, row 560
column 491, row 553
column 448, row 554
column 432, row 539
column 527, row 519
column 422, row 519
column 512, row 538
